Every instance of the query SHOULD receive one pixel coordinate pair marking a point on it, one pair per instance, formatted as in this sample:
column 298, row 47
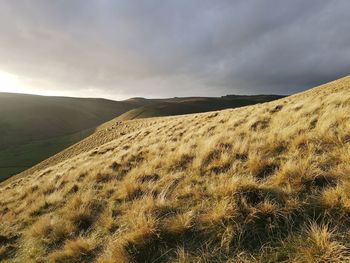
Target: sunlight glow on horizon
column 11, row 83
column 15, row 83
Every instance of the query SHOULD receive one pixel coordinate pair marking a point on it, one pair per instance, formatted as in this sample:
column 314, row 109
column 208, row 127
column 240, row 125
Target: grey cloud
column 175, row 48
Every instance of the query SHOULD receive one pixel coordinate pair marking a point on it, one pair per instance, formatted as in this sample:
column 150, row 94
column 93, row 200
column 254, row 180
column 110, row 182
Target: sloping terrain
column 263, row 183
column 33, row 128
column 20, row 157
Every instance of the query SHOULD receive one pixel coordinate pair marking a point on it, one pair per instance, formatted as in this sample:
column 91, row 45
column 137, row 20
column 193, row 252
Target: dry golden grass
column 264, row 183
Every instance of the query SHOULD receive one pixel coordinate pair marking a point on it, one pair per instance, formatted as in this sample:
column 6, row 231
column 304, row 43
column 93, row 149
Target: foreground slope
column 264, row 183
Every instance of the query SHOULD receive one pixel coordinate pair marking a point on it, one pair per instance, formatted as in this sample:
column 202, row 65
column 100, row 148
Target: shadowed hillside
column 33, row 128
column 262, row 183
column 179, row 106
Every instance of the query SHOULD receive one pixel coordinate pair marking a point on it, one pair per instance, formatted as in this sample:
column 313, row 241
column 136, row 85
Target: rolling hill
column 33, row 128
column 262, row 183
column 180, row 106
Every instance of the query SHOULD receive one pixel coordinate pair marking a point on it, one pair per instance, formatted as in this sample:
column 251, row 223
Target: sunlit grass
column 265, row 183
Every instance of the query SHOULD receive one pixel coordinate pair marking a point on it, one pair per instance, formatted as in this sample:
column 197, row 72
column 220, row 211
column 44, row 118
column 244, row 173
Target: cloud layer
column 165, row 48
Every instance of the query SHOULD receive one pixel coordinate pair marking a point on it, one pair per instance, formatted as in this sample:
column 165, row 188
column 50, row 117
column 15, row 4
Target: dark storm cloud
column 175, row 48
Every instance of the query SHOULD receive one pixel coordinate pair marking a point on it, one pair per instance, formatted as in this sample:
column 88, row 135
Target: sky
column 119, row 49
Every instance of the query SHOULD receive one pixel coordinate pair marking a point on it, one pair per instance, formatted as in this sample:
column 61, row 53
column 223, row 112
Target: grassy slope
column 32, row 128
column 17, row 159
column 264, row 183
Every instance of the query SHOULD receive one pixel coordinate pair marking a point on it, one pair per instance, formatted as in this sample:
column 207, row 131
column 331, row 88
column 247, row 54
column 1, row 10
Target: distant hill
column 180, row 106
column 32, row 128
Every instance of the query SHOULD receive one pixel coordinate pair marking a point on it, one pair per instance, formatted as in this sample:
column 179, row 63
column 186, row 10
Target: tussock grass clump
column 78, row 250
column 314, row 243
column 82, row 213
column 264, row 183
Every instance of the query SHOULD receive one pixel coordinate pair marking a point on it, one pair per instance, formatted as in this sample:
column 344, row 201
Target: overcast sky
column 162, row 48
